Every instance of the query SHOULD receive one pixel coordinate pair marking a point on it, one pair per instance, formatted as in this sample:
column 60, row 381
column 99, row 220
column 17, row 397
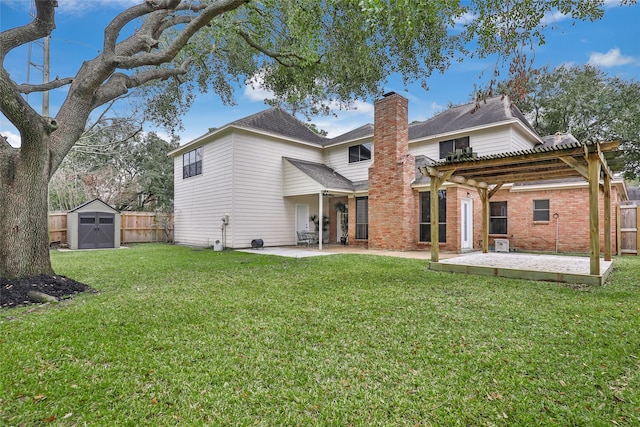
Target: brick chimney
column 392, row 213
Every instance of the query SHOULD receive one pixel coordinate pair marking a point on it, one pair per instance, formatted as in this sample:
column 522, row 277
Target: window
column 358, row 153
column 497, row 217
column 425, row 216
column 362, row 217
column 541, row 210
column 192, row 163
column 451, row 145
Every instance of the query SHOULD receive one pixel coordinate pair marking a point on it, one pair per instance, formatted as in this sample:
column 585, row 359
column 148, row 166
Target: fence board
column 628, row 229
column 57, row 227
column 136, row 227
column 143, row 227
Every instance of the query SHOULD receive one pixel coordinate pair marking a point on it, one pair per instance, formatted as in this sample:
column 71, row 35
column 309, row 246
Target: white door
column 302, row 217
column 466, row 230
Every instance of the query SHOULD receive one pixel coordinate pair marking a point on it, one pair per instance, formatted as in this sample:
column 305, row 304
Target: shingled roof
column 492, row 110
column 471, row 115
column 361, row 132
column 279, row 122
column 322, row 174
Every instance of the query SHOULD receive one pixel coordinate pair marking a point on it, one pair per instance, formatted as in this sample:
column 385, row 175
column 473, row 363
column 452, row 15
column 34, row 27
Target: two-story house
column 264, row 176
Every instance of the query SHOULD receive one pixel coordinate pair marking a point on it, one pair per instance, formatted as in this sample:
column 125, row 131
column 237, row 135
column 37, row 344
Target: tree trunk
column 24, row 219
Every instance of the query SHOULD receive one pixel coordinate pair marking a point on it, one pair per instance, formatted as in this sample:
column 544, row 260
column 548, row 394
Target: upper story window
column 192, row 163
column 358, row 153
column 450, row 146
column 541, row 210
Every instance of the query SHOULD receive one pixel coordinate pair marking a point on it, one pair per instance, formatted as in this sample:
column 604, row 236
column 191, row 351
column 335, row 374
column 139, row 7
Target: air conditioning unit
column 502, row 245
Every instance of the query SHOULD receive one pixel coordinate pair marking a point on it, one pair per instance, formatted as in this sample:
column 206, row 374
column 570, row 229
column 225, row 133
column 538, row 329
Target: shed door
column 96, row 230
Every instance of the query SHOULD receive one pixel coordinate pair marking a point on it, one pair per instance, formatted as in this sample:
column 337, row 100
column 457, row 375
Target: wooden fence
column 628, row 230
column 136, row 227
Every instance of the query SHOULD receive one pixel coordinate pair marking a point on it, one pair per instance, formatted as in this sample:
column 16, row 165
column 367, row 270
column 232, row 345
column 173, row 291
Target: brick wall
column 392, row 202
column 572, row 206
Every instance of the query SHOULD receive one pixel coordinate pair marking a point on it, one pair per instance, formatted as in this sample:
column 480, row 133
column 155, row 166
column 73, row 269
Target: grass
column 183, row 337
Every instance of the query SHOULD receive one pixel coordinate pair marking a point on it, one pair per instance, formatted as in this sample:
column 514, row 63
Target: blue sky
column 612, row 43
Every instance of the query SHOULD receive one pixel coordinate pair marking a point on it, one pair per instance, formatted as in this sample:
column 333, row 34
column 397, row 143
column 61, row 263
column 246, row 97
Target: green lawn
column 183, row 337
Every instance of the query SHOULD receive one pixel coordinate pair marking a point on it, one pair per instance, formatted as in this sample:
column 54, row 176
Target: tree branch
column 119, row 83
column 167, row 54
column 41, row 26
column 112, row 30
column 54, row 84
column 280, row 57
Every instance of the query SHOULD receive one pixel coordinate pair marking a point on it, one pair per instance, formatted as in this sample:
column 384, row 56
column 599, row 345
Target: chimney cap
column 388, row 94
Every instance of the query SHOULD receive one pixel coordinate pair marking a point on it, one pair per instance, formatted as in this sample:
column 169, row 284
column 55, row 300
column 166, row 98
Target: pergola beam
column 585, row 161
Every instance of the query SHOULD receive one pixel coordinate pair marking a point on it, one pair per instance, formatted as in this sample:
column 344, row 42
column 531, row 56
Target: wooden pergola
column 487, row 174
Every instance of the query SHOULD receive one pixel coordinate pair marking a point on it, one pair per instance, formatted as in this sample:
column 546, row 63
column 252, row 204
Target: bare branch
column 54, row 84
column 280, row 57
column 112, row 30
column 167, row 54
column 41, row 26
column 119, row 83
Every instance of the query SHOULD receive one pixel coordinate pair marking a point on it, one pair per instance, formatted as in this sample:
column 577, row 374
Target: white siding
column 490, row 141
column 296, row 182
column 260, row 209
column 337, row 158
column 522, row 140
column 483, row 142
column 429, row 148
column 200, row 201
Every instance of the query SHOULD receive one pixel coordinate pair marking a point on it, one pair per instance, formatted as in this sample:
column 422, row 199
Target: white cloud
column 612, row 58
column 340, row 120
column 79, row 7
column 611, row 3
column 255, row 91
column 553, row 17
column 13, row 138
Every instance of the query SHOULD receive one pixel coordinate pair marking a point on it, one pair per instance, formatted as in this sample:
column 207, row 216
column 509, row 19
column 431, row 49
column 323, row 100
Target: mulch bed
column 13, row 293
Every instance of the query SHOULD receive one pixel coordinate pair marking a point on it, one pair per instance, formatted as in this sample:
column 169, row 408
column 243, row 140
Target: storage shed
column 93, row 225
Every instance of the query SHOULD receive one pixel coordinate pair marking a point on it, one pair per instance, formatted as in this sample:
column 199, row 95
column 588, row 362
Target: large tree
column 306, row 52
column 591, row 105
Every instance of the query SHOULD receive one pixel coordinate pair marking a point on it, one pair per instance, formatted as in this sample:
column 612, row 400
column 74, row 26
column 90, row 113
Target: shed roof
column 77, row 208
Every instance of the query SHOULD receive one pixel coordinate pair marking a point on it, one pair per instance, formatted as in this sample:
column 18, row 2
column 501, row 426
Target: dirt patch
column 14, row 293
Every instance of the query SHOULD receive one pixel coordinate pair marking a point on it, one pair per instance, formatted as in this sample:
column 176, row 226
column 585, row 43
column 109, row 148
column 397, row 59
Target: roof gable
column 467, row 116
column 279, row 122
column 94, row 201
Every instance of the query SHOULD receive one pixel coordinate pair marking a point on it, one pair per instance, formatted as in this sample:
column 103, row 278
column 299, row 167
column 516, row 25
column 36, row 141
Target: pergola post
column 484, row 198
column 435, row 232
column 593, row 166
column 607, row 217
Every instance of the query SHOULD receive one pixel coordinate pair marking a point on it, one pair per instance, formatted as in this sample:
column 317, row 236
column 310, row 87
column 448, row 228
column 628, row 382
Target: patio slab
column 286, row 252
column 554, row 268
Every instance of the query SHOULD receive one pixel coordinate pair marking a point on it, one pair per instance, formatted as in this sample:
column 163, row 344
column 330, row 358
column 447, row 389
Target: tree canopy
column 589, row 104
column 310, row 53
